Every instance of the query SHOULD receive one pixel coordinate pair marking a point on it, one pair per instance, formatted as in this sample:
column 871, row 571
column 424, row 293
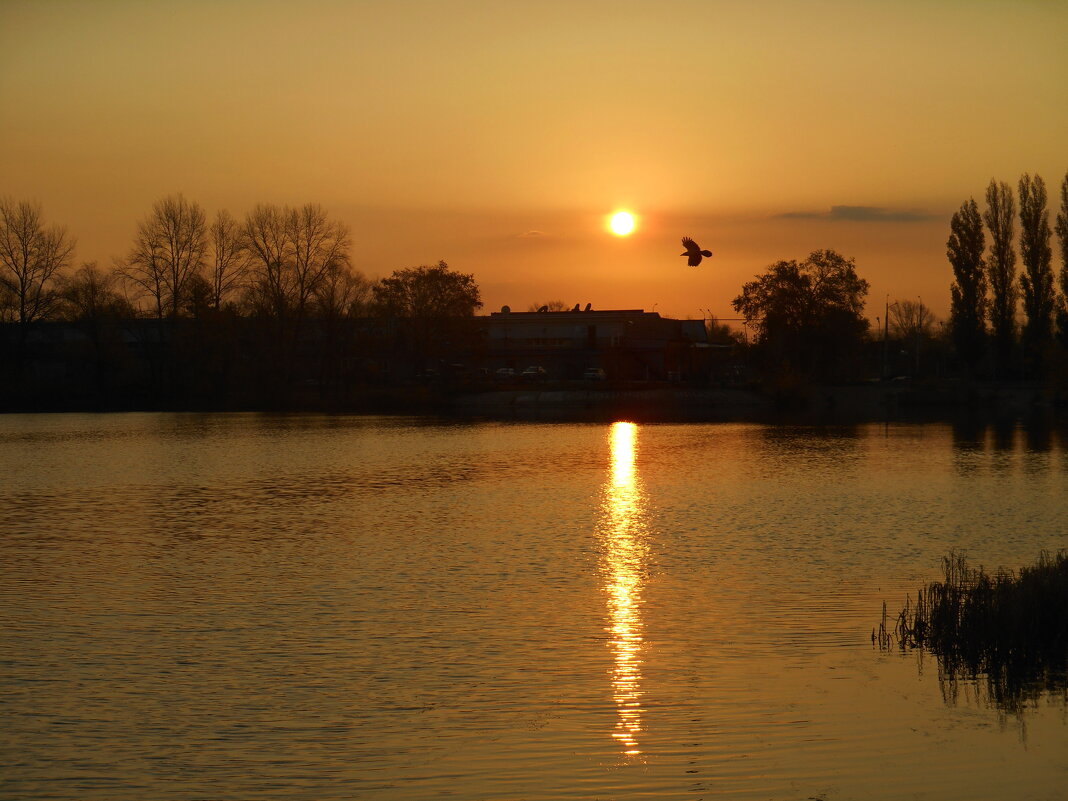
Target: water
column 246, row 606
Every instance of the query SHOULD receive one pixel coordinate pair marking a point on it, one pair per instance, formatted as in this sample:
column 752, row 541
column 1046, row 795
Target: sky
column 498, row 136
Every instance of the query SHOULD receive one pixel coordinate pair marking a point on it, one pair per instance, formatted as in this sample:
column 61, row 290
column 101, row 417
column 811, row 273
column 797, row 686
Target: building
column 628, row 344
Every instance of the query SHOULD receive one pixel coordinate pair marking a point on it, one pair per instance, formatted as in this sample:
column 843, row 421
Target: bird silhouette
column 693, row 251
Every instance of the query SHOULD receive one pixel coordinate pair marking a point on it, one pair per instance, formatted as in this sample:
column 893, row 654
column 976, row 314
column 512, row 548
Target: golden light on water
column 622, row 531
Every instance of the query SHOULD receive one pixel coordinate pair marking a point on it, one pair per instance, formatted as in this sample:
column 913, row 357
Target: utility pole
column 919, row 327
column 886, row 318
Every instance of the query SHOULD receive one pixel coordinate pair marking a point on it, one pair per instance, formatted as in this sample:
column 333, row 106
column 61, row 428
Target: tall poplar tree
column 1037, row 278
column 968, row 292
column 1062, row 234
column 1000, row 218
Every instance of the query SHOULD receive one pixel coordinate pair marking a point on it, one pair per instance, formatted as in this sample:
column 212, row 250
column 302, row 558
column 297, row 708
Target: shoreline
column 829, row 404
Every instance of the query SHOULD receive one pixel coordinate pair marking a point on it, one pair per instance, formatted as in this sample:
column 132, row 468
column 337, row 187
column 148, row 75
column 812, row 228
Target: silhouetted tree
column 229, row 257
column 8, row 304
column 911, row 324
column 910, row 319
column 169, row 249
column 430, row 304
column 1001, row 269
column 1037, row 278
column 552, row 305
column 90, row 300
column 31, row 258
column 428, row 292
column 341, row 300
column 91, row 295
column 290, row 251
column 1062, row 235
column 718, row 333
column 968, row 292
column 808, row 315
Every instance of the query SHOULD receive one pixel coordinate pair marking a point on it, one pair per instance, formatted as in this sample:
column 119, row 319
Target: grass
column 1011, row 627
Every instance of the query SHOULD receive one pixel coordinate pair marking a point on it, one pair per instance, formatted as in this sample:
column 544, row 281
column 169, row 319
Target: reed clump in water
column 1011, row 627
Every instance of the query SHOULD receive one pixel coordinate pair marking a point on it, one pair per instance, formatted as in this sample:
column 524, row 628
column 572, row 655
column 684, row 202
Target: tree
column 910, row 319
column 968, row 293
column 342, row 293
column 290, row 252
column 1000, row 220
column 32, row 257
column 808, row 316
column 428, row 292
column 90, row 296
column 169, row 250
column 912, row 325
column 430, row 304
column 340, row 300
column 1037, row 278
column 1062, row 235
column 229, row 257
column 90, row 300
column 552, row 305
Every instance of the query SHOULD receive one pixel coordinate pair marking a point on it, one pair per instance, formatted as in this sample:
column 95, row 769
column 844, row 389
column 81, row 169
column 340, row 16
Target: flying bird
column 693, row 251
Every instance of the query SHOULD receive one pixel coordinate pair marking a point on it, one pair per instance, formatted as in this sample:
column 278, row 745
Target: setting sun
column 622, row 223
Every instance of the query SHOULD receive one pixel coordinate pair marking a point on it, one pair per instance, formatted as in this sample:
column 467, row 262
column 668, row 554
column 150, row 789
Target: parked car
column 593, row 374
column 504, row 373
column 533, row 373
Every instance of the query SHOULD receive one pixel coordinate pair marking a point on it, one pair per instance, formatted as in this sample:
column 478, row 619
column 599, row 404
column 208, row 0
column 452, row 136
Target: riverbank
column 872, row 401
column 642, row 401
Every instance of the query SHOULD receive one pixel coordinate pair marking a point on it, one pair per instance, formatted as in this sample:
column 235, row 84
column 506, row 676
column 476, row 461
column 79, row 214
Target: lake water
column 315, row 607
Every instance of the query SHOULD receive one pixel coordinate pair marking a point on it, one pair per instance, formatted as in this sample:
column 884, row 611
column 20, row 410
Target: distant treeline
column 212, row 310
column 808, row 319
column 988, row 294
column 264, row 310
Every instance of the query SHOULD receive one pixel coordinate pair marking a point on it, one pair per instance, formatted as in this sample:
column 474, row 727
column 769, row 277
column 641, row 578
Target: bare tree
column 31, row 259
column 911, row 319
column 342, row 293
column 291, row 251
column 1001, row 268
column 266, row 235
column 320, row 246
column 229, row 257
column 169, row 249
column 91, row 295
column 1037, row 278
column 552, row 305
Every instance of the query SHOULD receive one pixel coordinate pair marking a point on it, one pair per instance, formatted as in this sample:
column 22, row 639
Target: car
column 504, row 373
column 533, row 373
column 593, row 374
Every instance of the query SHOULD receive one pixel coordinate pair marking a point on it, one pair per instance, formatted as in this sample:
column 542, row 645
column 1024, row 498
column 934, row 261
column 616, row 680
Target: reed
column 1011, row 627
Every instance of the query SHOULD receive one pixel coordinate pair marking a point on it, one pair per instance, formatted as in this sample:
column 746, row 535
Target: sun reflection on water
column 622, row 532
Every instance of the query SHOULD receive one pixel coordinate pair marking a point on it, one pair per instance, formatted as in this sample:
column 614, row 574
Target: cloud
column 530, row 235
column 861, row 214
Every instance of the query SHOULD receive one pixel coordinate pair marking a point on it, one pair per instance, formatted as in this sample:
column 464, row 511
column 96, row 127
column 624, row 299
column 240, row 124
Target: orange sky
column 497, row 135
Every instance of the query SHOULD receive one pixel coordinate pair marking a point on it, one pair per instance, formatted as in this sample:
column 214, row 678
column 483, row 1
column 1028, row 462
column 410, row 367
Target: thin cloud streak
column 862, row 214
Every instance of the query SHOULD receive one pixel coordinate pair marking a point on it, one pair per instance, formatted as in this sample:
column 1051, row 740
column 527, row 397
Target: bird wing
column 695, row 258
column 690, row 245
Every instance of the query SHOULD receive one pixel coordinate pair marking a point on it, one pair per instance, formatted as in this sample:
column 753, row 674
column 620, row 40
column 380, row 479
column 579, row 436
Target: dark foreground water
column 254, row 607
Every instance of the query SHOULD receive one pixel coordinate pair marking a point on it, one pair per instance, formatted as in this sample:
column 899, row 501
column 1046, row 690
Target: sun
column 621, row 223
